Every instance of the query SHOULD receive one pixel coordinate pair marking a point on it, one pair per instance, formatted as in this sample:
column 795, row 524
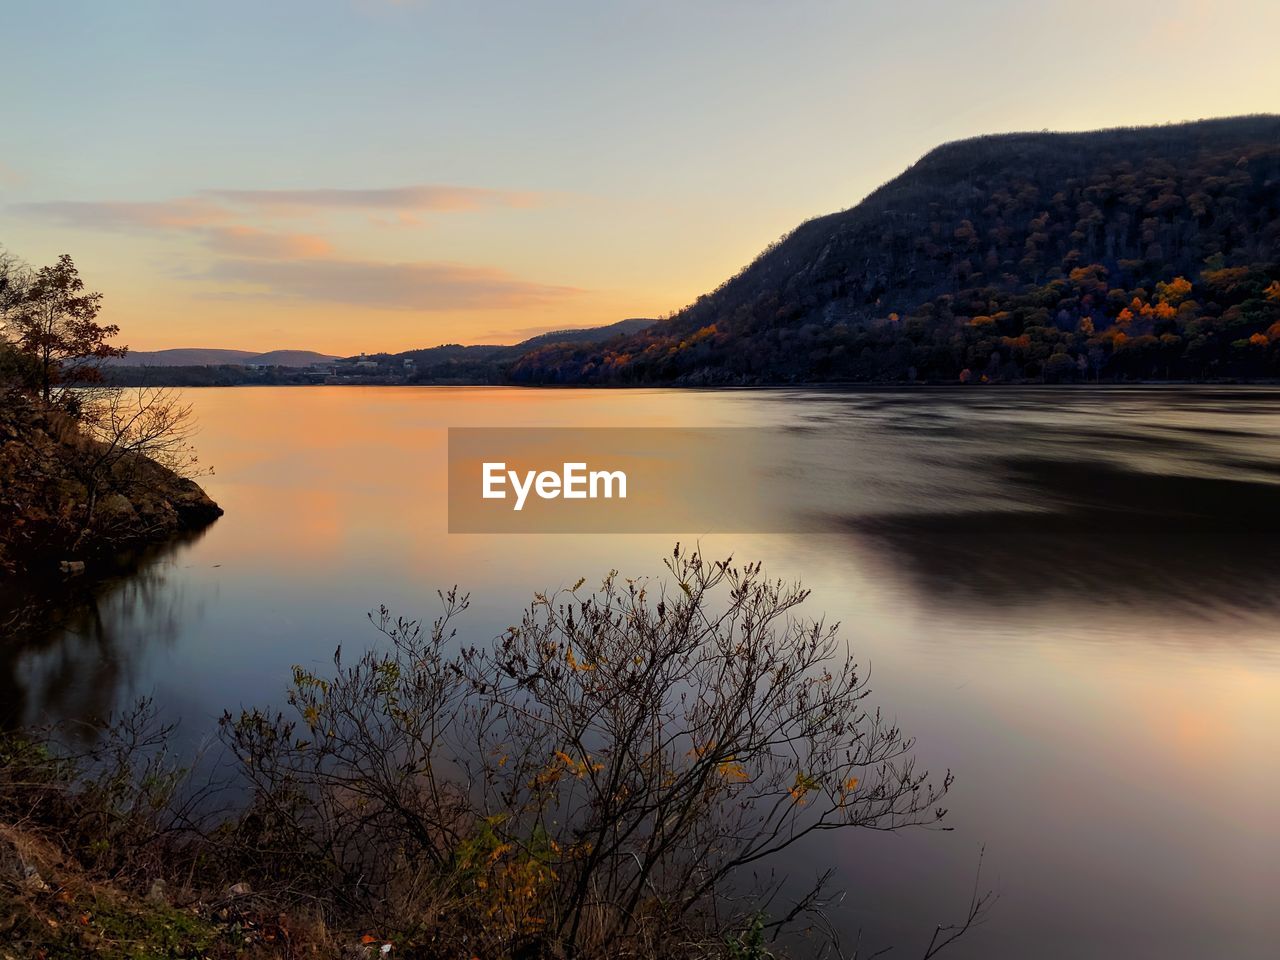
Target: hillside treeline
column 1147, row 253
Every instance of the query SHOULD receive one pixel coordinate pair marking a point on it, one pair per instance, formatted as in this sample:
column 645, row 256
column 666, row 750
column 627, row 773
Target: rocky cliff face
column 45, row 495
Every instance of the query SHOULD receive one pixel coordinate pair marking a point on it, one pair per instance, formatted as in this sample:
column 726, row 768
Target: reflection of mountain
column 1098, row 534
column 70, row 650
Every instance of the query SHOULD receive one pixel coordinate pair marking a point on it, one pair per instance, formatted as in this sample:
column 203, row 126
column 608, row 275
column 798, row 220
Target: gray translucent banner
column 627, row 480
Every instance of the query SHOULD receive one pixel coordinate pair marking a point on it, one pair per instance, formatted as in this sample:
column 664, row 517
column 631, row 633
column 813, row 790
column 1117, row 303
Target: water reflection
column 1064, row 594
column 71, row 649
column 1092, row 534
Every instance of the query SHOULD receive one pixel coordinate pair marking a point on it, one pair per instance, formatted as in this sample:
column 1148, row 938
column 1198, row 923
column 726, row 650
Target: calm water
column 1069, row 597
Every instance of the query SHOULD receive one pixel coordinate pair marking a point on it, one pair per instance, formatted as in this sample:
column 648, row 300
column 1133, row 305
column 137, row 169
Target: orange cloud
column 214, row 215
column 251, row 262
column 421, row 286
column 242, row 241
column 207, row 221
column 418, row 197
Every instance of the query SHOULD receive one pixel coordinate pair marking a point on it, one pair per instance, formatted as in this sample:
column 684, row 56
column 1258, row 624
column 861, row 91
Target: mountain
column 180, row 357
column 454, row 363
column 448, row 363
column 199, row 357
column 1135, row 253
column 586, row 335
column 288, row 358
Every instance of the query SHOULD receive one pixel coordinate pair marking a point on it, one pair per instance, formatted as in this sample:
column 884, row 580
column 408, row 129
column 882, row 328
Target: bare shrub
column 133, row 436
column 600, row 780
column 115, row 804
column 151, row 423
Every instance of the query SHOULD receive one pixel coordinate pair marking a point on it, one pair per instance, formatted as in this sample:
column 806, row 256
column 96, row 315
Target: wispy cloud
column 181, row 214
column 421, row 197
column 242, row 241
column 208, row 222
column 252, row 261
column 218, row 217
column 424, row 286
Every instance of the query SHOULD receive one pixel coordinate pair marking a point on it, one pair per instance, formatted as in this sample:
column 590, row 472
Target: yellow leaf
column 802, row 787
column 499, row 851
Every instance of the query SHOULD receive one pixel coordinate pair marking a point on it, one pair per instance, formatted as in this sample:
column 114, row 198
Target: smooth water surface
column 1068, row 596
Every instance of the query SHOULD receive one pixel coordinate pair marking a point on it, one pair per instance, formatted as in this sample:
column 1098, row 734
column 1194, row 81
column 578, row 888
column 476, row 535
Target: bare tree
column 607, row 772
column 131, row 435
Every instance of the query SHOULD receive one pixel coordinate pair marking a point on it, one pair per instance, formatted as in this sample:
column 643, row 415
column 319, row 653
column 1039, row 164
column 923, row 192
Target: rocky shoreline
column 46, row 523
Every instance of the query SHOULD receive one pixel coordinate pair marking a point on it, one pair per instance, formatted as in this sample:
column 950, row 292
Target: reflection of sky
column 1106, row 687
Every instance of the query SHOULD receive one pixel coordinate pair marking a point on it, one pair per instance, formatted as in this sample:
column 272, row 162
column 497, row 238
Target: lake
column 1068, row 596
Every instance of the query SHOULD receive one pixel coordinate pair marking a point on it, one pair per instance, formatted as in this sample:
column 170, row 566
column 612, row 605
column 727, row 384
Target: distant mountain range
column 448, row 363
column 201, row 357
column 454, row 363
column 428, row 356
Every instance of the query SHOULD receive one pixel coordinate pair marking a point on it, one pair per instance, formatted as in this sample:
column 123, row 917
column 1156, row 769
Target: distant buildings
column 365, row 368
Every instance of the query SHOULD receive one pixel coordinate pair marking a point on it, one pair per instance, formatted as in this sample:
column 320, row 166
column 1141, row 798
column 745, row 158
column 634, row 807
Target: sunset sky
column 363, row 175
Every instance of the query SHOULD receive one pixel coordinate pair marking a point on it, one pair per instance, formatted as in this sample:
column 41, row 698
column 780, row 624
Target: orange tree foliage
column 54, row 323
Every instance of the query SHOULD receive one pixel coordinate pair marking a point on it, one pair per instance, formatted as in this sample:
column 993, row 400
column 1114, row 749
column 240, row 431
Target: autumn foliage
column 52, row 321
column 1126, row 254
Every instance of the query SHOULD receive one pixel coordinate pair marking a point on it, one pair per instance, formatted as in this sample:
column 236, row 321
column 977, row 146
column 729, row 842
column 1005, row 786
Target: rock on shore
column 44, row 497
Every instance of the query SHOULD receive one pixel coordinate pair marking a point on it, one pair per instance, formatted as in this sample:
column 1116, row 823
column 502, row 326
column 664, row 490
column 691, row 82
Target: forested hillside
column 1150, row 253
column 454, row 363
